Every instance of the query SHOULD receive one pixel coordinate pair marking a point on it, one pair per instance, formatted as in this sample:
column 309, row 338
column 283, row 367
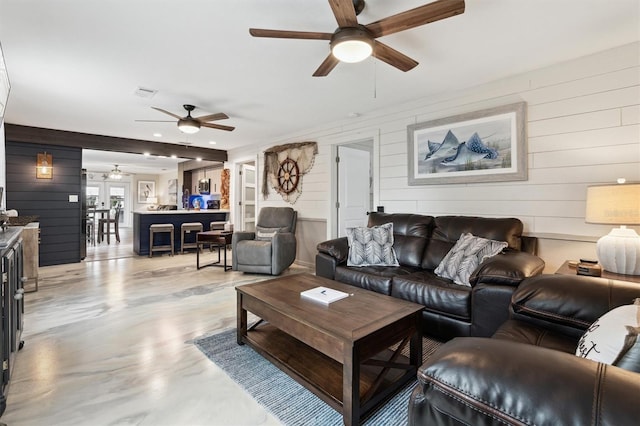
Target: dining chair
column 106, row 223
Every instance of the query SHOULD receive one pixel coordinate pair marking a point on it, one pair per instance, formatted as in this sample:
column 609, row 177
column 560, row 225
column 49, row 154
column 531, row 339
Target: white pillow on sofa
column 465, row 256
column 371, row 246
column 612, row 335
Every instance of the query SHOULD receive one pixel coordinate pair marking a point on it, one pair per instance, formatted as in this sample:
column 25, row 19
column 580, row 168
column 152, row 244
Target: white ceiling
column 75, row 64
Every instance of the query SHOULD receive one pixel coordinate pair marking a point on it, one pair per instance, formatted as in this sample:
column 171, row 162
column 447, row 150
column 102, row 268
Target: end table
column 565, row 269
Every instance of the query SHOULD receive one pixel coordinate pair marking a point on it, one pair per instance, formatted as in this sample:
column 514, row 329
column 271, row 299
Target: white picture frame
column 146, row 191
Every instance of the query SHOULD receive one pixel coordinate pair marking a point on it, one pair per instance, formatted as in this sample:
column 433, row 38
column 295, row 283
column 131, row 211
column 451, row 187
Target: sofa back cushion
column 410, row 233
column 448, row 229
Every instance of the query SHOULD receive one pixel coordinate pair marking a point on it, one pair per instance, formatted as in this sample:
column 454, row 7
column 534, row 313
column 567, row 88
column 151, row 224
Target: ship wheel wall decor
column 288, row 176
column 284, row 168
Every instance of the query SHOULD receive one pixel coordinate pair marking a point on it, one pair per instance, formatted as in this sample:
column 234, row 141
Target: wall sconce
column 44, row 166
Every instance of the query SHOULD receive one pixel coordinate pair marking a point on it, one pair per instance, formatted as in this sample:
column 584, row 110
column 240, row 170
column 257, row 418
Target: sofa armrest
column 569, row 303
column 337, row 248
column 235, row 238
column 508, row 268
column 283, row 254
column 489, row 381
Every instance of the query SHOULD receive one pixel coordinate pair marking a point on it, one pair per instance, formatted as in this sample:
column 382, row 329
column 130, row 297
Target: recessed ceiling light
column 146, row 154
column 198, row 158
column 212, row 142
column 162, row 156
column 157, row 135
column 174, row 156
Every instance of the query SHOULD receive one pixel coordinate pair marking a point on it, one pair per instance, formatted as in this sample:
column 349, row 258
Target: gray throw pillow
column 465, row 257
column 371, row 246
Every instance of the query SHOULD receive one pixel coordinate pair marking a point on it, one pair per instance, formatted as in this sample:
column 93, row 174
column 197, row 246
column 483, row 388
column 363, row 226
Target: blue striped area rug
column 285, row 398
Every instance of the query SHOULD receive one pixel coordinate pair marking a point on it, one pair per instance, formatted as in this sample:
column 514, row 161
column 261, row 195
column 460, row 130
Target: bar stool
column 159, row 228
column 186, row 228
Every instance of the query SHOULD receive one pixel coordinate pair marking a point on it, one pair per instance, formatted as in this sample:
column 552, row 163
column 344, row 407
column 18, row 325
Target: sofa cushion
column 465, row 256
column 411, row 233
column 448, row 230
column 436, row 294
column 609, row 338
column 520, row 331
column 371, row 246
column 374, row 278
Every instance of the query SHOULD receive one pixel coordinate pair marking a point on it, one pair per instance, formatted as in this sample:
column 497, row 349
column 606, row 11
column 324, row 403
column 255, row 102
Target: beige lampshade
column 617, row 204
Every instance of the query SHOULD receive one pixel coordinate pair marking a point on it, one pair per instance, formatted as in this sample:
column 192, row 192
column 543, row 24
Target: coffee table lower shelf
column 321, row 374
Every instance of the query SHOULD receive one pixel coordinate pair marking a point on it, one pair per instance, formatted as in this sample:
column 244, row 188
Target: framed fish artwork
column 481, row 146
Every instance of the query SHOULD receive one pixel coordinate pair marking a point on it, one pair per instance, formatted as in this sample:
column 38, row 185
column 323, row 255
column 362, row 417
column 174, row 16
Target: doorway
column 111, row 194
column 246, row 216
column 354, row 184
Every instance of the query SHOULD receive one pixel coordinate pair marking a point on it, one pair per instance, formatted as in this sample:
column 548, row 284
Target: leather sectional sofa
column 420, row 243
column 528, row 373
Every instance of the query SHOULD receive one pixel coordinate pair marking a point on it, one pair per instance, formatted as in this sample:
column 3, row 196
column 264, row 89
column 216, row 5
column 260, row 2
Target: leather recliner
column 272, row 248
column 528, row 373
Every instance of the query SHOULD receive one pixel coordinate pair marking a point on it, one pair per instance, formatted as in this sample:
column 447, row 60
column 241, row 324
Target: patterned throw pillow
column 466, row 256
column 371, row 246
column 612, row 335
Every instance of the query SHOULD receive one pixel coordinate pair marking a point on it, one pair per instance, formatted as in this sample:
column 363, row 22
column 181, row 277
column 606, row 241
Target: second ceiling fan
column 354, row 42
column 191, row 124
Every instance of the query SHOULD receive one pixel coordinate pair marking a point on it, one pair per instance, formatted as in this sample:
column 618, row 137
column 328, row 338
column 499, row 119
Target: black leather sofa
column 420, row 243
column 527, row 374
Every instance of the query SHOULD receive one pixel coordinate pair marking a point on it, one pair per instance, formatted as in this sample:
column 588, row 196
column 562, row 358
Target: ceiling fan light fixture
column 116, row 173
column 188, row 125
column 351, row 45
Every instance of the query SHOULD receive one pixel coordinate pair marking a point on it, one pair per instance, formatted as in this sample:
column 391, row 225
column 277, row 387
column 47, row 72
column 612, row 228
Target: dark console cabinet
column 12, row 305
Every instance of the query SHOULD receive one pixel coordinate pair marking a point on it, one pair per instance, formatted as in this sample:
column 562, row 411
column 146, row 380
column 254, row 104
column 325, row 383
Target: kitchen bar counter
column 143, row 219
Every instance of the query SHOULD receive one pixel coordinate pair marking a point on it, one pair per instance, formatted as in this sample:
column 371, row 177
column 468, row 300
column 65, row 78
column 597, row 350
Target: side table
column 218, row 239
column 565, row 269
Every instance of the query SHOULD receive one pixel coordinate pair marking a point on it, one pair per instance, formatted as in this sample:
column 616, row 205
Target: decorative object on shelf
column 480, row 146
column 225, row 177
column 146, row 191
column 618, row 204
column 284, row 167
column 116, row 173
column 44, row 166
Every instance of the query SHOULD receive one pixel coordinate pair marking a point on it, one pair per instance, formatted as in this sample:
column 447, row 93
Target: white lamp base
column 619, row 251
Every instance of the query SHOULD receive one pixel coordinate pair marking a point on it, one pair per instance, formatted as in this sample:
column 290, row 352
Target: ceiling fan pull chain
column 375, row 80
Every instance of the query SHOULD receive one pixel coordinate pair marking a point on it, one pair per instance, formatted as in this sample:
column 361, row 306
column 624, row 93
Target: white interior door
column 248, row 197
column 354, row 189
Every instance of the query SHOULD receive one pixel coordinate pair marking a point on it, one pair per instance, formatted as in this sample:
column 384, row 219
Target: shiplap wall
column 583, row 128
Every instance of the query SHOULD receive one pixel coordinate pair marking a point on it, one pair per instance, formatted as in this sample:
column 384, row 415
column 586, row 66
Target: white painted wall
column 583, row 128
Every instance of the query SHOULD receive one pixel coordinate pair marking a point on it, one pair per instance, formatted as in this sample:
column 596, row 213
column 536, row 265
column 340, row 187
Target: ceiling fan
column 191, row 124
column 354, row 42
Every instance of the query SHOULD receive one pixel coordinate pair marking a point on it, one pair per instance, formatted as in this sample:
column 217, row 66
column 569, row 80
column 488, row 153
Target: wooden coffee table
column 340, row 351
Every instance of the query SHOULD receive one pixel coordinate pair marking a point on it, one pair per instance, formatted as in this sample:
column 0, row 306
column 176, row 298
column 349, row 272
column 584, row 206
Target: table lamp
column 618, row 251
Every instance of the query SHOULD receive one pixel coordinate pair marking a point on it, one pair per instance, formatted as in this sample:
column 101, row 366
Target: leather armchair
column 527, row 374
column 272, row 248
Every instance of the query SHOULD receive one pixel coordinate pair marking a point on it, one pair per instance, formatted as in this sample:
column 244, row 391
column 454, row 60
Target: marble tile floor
column 107, row 343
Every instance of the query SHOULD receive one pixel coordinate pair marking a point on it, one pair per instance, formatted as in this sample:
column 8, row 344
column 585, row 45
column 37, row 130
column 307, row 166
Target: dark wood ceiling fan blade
column 393, row 57
column 212, row 117
column 309, row 35
column 416, row 17
column 326, row 66
column 217, row 126
column 167, row 112
column 344, row 12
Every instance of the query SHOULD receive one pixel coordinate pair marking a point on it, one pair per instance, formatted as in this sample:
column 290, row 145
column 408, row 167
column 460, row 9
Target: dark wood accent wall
column 39, row 135
column 60, row 223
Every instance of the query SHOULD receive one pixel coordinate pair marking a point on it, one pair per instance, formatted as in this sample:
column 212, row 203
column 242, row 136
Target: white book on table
column 324, row 295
